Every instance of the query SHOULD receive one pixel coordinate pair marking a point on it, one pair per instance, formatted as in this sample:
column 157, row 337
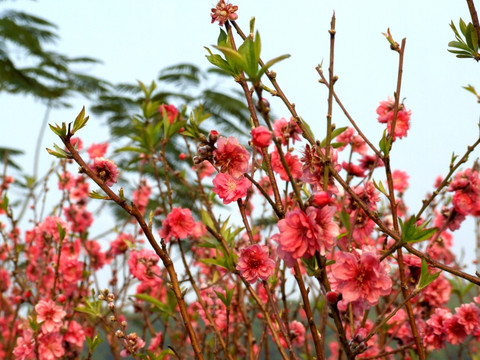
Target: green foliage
column 50, row 75
column 411, row 233
column 466, row 44
column 245, row 59
column 426, row 276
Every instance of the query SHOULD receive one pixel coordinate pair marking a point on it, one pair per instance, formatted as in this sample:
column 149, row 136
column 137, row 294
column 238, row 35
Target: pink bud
column 182, row 156
column 61, row 298
column 261, row 137
column 321, row 199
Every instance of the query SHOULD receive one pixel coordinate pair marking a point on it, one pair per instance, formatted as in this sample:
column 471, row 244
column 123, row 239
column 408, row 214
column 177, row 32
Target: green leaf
column 426, row 276
column 384, row 144
column 207, row 219
column 4, row 203
column 379, row 186
column 333, row 135
column 59, row 130
column 80, row 121
column 345, row 219
column 463, row 27
column 151, row 300
column 61, row 231
column 95, row 195
column 411, row 233
column 93, row 343
column 60, row 153
column 218, row 262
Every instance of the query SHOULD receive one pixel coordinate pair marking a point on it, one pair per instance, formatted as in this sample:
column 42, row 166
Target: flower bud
column 332, row 297
column 261, row 137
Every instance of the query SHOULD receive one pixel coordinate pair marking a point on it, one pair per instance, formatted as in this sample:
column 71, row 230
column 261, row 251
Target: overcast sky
column 135, row 39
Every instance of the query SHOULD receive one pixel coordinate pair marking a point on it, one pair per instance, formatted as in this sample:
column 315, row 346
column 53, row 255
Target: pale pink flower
column 255, row 263
column 97, row 150
column 75, row 334
column 469, row 317
column 286, row 130
column 361, row 275
column 50, row 314
column 297, row 333
column 293, row 164
column 304, row 233
column 106, row 170
column 79, row 191
column 261, row 136
column 135, row 344
column 224, row 12
column 230, row 189
column 169, row 110
column 179, row 224
column 231, row 157
column 400, row 180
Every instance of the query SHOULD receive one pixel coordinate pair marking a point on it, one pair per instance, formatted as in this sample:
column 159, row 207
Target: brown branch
column 473, row 15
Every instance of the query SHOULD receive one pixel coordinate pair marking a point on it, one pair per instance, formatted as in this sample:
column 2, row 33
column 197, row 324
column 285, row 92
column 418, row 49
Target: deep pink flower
column 385, row 115
column 255, row 263
column 179, row 224
column 361, row 275
column 293, row 163
column 353, row 170
column 170, row 110
column 97, row 150
column 304, row 233
column 155, row 343
column 224, row 12
column 312, row 168
column 400, row 180
column 50, row 314
column 106, row 170
column 467, row 192
column 286, row 130
column 297, row 334
column 50, row 346
column 231, row 157
column 261, row 137
column 230, row 189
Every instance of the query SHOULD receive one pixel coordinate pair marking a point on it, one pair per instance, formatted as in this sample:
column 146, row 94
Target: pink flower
column 297, row 334
column 50, row 314
column 106, row 170
column 179, row 224
column 142, row 264
column 385, row 115
column 79, row 217
column 230, row 189
column 353, row 170
column 66, row 181
column 224, row 12
column 75, row 334
column 25, row 347
column 97, row 150
column 120, row 244
column 361, row 275
column 286, row 130
column 467, row 194
column 438, row 292
column 50, row 346
column 135, row 343
column 204, row 169
column 77, row 141
column 169, row 110
column 293, row 164
column 304, row 233
column 261, row 137
column 155, row 343
column 400, row 180
column 254, row 263
column 469, row 317
column 231, row 157
column 456, row 332
column 141, row 196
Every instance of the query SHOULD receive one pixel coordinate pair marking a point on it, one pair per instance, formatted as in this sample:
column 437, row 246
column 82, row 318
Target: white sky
column 135, row 39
